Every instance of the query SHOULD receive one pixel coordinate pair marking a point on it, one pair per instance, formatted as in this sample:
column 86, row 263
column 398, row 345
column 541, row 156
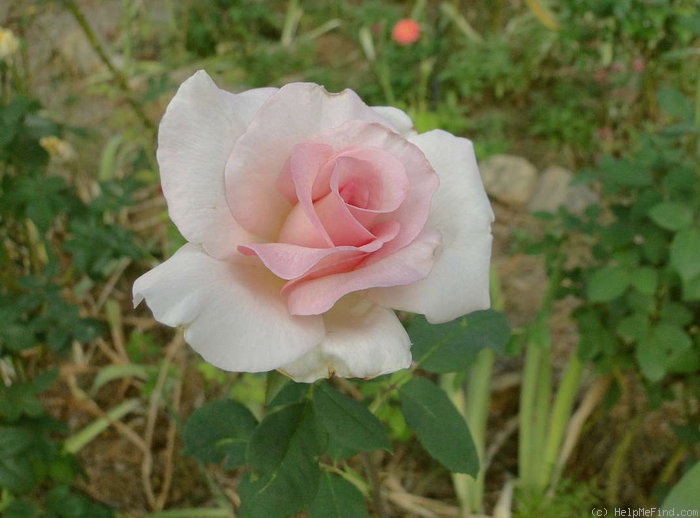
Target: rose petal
column 293, row 115
column 340, row 224
column 459, row 281
column 304, row 172
column 405, row 266
column 362, row 340
column 397, row 119
column 234, row 314
column 290, row 261
column 378, row 179
column 195, row 137
column 422, row 179
column 460, row 205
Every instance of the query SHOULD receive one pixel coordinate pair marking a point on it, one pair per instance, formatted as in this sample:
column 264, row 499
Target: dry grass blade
column 157, row 503
column 416, row 504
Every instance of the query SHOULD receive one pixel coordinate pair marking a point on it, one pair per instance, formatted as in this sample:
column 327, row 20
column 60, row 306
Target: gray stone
column 579, row 197
column 509, row 179
column 554, row 190
column 551, row 190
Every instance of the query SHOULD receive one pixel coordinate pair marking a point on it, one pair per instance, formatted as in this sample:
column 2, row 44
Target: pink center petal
column 370, row 179
column 291, row 261
column 339, row 199
column 306, row 160
column 314, row 295
column 342, row 227
column 298, row 229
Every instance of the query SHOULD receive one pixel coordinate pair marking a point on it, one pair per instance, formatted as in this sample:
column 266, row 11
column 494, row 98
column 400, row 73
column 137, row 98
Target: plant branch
column 102, row 54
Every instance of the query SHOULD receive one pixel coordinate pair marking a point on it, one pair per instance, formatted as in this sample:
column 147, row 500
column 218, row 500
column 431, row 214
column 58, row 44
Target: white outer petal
column 195, row 137
column 397, row 119
column 363, row 340
column 235, row 316
column 461, row 212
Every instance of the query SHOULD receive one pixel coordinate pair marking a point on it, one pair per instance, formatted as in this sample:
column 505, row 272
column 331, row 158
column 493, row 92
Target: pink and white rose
column 310, row 217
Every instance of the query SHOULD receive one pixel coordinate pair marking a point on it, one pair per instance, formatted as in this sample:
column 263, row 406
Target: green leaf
column 685, row 253
column 21, row 398
column 672, row 215
column 16, row 474
column 351, row 427
column 452, row 346
column 691, row 288
column 607, row 284
column 61, row 502
column 685, row 259
column 675, row 313
column 337, row 498
column 289, row 394
column 674, row 103
column 634, row 327
column 685, row 494
column 657, row 353
column 21, row 509
column 645, row 280
column 15, row 440
column 440, row 428
column 283, row 457
column 275, row 382
column 624, row 173
column 219, row 431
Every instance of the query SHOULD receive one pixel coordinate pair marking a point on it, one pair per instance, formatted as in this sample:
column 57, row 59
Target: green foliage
column 351, row 427
column 282, row 452
column 59, row 502
column 337, row 498
column 219, row 431
column 452, row 346
column 641, row 289
column 685, row 248
column 283, row 457
column 41, row 235
column 684, row 494
column 440, row 428
column 31, row 459
column 21, row 128
column 573, row 499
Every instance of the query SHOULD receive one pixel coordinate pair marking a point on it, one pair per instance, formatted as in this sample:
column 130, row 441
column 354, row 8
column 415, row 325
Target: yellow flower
column 58, row 149
column 8, row 43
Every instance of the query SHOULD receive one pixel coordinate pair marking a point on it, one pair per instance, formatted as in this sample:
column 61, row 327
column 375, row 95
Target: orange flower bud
column 406, row 32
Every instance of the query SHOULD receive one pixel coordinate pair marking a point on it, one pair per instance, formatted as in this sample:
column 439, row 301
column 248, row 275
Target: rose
column 310, row 217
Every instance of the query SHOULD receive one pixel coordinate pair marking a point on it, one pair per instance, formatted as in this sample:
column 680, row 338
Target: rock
column 579, row 198
column 553, row 190
column 509, row 179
